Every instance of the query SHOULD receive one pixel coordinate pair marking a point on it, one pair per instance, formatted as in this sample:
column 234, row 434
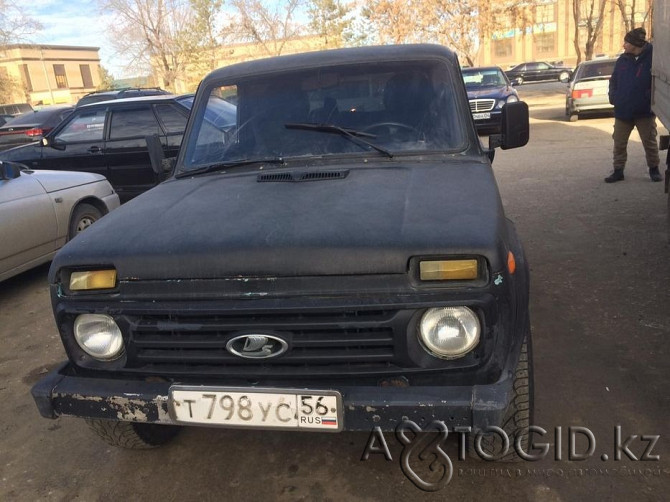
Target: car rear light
column 582, row 93
column 35, row 132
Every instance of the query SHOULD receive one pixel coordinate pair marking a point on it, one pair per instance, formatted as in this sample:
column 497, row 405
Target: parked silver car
column 41, row 210
column 588, row 88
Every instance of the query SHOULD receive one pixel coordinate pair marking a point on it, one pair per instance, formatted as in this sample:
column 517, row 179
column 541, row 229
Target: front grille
column 340, row 341
column 482, row 105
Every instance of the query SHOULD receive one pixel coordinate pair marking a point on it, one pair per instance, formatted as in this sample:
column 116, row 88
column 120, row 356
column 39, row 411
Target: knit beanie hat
column 636, row 37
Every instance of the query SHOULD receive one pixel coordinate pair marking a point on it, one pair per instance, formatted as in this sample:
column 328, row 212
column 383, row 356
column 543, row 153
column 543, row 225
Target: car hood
column 53, row 181
column 369, row 222
column 490, row 92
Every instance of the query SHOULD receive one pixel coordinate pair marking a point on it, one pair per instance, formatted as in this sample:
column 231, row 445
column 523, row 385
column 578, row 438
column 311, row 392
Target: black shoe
column 617, row 175
column 654, row 174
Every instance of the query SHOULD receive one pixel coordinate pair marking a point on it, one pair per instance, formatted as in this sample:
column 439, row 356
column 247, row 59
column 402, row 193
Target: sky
column 75, row 22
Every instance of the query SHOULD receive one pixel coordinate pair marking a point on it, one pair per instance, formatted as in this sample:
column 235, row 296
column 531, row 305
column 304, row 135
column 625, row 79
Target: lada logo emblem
column 257, row 346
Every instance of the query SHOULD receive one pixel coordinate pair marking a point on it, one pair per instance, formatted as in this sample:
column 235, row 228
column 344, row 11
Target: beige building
column 548, row 33
column 49, row 74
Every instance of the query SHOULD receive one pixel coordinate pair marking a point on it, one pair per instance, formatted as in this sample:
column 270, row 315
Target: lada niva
column 338, row 259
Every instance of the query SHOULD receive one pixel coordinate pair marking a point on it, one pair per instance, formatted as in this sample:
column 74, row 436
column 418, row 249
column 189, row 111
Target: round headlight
column 99, row 336
column 449, row 332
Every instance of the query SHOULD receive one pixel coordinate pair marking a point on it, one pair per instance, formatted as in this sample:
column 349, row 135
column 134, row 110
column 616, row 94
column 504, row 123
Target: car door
column 76, row 145
column 28, row 223
column 126, row 151
column 532, row 72
column 545, row 72
column 173, row 120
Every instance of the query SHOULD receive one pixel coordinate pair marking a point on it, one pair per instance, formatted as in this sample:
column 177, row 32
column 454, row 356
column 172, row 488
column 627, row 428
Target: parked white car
column 588, row 88
column 41, row 210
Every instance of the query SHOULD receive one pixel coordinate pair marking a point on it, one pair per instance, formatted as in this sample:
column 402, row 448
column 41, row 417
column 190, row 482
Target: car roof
column 121, row 101
column 37, row 116
column 478, row 68
column 596, row 61
column 334, row 57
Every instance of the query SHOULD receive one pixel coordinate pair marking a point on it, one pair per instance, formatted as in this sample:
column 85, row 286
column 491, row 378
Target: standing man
column 630, row 93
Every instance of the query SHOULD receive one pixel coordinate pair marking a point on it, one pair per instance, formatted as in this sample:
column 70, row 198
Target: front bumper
column 493, row 123
column 365, row 407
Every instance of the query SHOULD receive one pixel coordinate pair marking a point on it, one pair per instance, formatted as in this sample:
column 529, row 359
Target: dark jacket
column 630, row 85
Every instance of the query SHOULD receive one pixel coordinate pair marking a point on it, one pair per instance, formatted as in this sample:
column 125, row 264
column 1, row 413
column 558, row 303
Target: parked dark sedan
column 31, row 126
column 536, row 71
column 110, row 138
column 488, row 91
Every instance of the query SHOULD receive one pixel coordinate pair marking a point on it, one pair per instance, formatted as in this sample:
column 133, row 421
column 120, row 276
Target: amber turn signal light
column 448, row 270
column 92, row 279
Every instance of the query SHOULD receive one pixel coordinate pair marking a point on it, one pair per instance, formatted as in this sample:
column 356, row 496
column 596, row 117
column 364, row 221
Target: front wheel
column 132, row 435
column 83, row 216
column 518, row 416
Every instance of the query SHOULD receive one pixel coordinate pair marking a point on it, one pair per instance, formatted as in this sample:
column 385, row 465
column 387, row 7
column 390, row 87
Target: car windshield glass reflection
column 87, row 126
column 475, row 79
column 398, row 108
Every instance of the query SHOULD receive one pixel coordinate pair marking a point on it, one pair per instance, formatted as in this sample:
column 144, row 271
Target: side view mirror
column 515, row 127
column 10, row 170
column 160, row 165
column 51, row 143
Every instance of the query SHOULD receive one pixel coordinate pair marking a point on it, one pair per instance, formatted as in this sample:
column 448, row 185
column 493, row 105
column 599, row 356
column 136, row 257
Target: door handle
column 94, row 149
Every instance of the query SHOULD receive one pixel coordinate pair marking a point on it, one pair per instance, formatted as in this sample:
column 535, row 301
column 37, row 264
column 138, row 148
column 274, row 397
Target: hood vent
column 302, row 176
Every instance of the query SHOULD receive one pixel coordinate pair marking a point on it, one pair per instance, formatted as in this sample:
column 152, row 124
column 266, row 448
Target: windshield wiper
column 222, row 166
column 351, row 134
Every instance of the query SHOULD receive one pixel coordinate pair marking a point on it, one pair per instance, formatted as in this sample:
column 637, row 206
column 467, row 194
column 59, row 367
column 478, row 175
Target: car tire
column 132, row 435
column 519, row 80
column 518, row 416
column 573, row 117
column 83, row 216
column 564, row 76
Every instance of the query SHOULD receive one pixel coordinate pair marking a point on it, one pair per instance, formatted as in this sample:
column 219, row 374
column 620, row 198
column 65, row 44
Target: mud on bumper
column 59, row 394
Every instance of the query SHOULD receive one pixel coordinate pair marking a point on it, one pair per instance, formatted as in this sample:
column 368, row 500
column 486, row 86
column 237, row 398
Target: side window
column 532, row 66
column 133, row 124
column 86, row 126
column 542, row 66
column 173, row 121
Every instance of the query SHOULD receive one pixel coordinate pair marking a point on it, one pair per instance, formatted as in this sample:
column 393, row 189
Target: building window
column 86, row 75
column 502, row 48
column 25, row 75
column 61, row 79
column 545, row 43
column 545, row 13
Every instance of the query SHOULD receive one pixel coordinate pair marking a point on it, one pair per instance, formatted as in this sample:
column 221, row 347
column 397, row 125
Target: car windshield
column 490, row 77
column 383, row 109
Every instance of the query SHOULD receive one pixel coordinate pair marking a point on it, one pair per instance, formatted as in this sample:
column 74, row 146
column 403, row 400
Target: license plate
column 481, row 116
column 257, row 408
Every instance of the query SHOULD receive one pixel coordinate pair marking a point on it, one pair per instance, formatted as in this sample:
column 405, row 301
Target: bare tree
column 330, row 20
column 268, row 24
column 629, row 9
column 15, row 26
column 455, row 24
column 395, row 21
column 589, row 16
column 151, row 33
